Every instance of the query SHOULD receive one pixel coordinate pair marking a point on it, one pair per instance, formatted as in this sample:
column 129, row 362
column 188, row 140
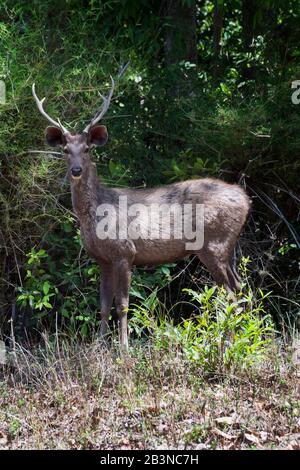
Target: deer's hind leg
column 216, row 258
column 218, row 268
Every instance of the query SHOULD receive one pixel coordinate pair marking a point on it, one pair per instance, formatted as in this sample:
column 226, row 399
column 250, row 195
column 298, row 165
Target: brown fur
column 226, row 210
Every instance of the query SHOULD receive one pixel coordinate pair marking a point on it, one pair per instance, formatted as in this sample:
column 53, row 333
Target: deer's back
column 226, row 208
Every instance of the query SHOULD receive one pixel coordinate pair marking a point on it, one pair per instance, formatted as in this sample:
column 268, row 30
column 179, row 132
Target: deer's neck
column 87, row 193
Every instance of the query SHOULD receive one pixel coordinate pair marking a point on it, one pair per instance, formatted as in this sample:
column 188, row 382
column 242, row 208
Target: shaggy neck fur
column 87, row 193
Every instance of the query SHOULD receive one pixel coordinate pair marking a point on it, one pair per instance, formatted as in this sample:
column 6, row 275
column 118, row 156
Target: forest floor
column 86, row 397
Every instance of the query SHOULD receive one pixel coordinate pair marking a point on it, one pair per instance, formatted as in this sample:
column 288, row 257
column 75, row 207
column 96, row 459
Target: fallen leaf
column 226, row 420
column 201, row 447
column 251, row 438
column 223, row 434
column 263, row 436
column 3, row 439
column 295, row 444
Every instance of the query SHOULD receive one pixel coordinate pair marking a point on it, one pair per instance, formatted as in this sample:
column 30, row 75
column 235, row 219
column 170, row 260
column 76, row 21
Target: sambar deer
column 225, row 210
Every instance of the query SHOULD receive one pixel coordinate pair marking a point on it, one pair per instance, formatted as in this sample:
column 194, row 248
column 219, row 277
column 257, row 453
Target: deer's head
column 76, row 147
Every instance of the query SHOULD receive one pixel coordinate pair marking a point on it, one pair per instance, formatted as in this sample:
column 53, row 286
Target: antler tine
column 106, row 101
column 43, row 112
column 105, row 105
column 123, row 68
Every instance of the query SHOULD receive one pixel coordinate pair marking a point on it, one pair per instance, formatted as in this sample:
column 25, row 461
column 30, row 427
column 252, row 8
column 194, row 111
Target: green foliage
column 38, row 288
column 223, row 333
column 144, row 282
column 69, row 292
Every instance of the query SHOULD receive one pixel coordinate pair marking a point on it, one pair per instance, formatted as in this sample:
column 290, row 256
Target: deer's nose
column 76, row 171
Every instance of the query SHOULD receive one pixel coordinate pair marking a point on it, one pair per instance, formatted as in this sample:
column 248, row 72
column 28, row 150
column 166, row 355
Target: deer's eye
column 87, row 148
column 66, row 150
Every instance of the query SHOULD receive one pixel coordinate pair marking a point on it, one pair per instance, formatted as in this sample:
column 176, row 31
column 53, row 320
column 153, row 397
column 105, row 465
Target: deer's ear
column 98, row 136
column 54, row 136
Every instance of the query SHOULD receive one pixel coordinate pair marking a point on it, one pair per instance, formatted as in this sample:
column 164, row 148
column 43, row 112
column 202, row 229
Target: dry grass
column 78, row 396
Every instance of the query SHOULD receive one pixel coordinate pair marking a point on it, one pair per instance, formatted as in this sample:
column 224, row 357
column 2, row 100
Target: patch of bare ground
column 78, row 396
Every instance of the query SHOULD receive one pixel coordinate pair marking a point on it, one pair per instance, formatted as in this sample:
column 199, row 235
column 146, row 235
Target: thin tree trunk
column 248, row 13
column 256, row 19
column 249, row 9
column 218, row 26
column 180, row 38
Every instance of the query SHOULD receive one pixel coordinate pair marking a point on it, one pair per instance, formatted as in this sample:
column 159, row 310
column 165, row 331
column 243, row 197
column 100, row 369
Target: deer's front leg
column 107, row 292
column 123, row 275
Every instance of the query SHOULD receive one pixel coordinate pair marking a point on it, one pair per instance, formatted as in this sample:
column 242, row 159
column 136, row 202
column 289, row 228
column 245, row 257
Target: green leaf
column 136, row 293
column 67, row 227
column 46, row 287
column 47, row 305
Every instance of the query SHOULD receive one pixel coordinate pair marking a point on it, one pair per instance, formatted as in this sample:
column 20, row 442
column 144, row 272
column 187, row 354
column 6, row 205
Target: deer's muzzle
column 76, row 172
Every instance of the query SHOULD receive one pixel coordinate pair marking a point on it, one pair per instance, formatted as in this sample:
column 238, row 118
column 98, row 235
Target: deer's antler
column 105, row 105
column 43, row 112
column 106, row 101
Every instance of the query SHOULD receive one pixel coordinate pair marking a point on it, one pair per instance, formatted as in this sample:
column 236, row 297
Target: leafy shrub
column 65, row 292
column 224, row 333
